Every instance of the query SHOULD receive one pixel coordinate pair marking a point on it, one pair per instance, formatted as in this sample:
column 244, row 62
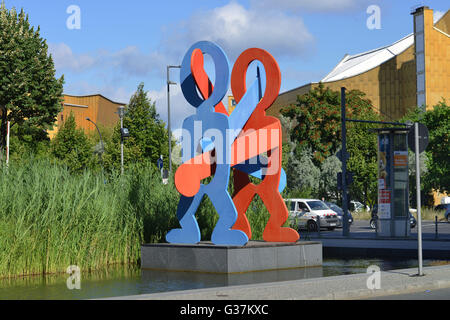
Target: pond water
column 125, row 280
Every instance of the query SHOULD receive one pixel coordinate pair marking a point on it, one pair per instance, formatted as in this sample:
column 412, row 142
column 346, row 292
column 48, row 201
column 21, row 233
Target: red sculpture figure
column 267, row 190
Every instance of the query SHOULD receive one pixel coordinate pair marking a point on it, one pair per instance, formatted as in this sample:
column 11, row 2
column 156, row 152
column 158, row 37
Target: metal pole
column 7, row 142
column 101, row 139
column 169, row 129
column 121, row 143
column 419, row 215
column 345, row 227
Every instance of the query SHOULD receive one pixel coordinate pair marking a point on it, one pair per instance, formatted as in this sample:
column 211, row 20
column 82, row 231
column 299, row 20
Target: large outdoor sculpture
column 213, row 142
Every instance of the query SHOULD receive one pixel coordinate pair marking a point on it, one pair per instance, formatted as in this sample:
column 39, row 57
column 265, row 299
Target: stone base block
column 255, row 256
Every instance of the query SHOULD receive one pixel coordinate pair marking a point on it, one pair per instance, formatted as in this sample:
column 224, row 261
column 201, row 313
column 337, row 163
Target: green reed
column 52, row 218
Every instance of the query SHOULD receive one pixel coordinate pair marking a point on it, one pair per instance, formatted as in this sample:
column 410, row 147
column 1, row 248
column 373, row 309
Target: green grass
column 430, row 214
column 426, row 213
column 361, row 215
column 51, row 218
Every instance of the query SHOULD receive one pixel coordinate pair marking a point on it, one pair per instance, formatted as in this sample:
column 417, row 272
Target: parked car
column 340, row 214
column 442, row 207
column 445, row 207
column 374, row 219
column 310, row 213
column 356, row 206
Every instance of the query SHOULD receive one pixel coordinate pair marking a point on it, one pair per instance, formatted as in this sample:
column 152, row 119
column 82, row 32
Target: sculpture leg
column 223, row 234
column 189, row 232
column 274, row 231
column 242, row 199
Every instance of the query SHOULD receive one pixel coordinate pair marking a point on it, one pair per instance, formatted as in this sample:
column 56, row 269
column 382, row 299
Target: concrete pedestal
column 394, row 228
column 255, row 256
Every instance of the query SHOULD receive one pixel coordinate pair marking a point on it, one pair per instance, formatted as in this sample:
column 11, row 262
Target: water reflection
column 126, row 280
column 160, row 281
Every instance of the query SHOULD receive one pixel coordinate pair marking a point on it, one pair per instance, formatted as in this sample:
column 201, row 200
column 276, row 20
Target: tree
column 72, row 146
column 316, row 125
column 317, row 117
column 301, row 172
column 148, row 135
column 30, row 95
column 437, row 120
column 328, row 178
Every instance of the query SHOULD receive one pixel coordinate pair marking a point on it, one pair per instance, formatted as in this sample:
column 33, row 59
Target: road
column 361, row 227
column 439, row 294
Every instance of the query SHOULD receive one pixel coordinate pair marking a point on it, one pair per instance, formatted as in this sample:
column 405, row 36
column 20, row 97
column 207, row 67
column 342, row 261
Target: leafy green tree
column 71, row 146
column 329, row 170
column 301, row 173
column 316, row 124
column 30, row 95
column 148, row 135
column 317, row 117
column 438, row 122
column 436, row 157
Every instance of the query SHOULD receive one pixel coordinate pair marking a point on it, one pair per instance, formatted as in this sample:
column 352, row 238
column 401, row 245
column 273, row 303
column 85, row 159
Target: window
column 302, row 206
column 317, row 205
column 293, row 206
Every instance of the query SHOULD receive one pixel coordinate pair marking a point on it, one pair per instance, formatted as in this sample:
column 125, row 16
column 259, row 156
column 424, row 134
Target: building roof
column 352, row 65
column 95, row 95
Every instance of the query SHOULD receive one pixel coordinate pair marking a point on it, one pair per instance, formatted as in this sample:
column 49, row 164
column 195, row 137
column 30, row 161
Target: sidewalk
column 327, row 288
column 364, row 242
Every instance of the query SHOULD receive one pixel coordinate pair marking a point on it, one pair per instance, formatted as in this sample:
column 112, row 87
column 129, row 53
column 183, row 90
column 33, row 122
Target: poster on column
column 384, row 192
column 384, row 204
column 383, row 162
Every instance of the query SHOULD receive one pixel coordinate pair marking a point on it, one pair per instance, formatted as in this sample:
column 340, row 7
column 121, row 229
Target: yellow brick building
column 414, row 71
column 98, row 108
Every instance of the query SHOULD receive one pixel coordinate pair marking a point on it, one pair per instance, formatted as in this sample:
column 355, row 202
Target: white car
column 311, row 214
column 357, row 206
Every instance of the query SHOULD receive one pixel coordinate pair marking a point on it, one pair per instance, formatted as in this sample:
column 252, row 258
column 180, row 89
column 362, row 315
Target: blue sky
column 122, row 43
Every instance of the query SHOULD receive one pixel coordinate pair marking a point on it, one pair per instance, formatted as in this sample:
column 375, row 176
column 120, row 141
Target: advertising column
column 400, row 187
column 384, row 185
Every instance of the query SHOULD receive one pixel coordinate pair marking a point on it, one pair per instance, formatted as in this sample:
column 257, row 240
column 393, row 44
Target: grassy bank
column 426, row 213
column 51, row 218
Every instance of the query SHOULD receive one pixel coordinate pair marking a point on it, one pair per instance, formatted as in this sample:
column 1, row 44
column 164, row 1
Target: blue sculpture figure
column 213, row 131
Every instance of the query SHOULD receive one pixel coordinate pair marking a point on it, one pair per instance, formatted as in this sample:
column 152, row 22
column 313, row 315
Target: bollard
column 436, row 233
column 318, row 225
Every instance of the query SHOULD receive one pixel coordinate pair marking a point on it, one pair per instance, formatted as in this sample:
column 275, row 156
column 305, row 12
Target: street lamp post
column 101, row 140
column 169, row 129
column 121, row 112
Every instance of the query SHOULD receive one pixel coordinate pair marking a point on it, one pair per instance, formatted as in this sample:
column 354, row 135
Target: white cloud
column 236, row 28
column 136, row 63
column 129, row 61
column 64, row 58
column 232, row 26
column 179, row 107
column 114, row 92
